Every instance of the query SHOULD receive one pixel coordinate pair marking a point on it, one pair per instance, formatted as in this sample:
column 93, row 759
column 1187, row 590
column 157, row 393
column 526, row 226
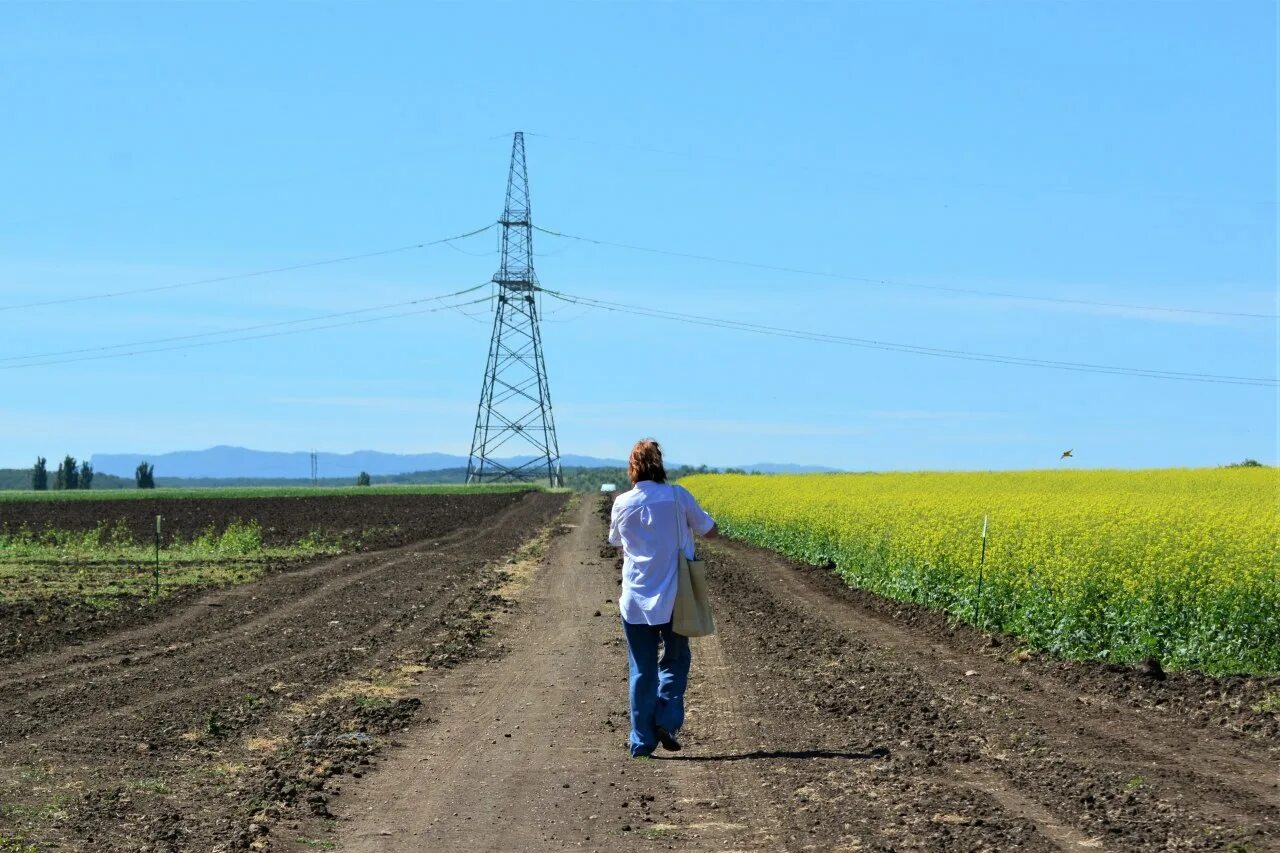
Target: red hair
column 646, row 462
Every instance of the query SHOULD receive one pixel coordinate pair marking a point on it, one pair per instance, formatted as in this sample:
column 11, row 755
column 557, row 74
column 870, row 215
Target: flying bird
column 1066, row 454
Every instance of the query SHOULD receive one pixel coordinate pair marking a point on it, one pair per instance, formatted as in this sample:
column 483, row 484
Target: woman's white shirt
column 644, row 523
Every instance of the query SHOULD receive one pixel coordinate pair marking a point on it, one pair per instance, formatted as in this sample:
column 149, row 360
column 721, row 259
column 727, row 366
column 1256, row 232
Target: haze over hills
column 787, row 468
column 224, row 462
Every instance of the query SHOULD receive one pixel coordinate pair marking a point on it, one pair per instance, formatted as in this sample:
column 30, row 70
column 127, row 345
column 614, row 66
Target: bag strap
column 675, row 503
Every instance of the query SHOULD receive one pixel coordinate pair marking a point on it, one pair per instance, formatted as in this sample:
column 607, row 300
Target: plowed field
column 465, row 693
column 173, row 733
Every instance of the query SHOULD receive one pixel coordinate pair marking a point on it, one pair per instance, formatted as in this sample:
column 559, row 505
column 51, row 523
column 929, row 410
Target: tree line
column 69, row 475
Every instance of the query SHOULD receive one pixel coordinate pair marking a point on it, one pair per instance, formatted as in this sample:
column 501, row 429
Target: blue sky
column 1120, row 152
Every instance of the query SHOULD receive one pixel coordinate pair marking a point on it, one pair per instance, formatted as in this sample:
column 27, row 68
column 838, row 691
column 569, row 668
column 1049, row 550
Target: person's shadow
column 867, row 755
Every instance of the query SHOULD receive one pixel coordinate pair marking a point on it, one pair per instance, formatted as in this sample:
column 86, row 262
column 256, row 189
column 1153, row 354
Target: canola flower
column 1182, row 564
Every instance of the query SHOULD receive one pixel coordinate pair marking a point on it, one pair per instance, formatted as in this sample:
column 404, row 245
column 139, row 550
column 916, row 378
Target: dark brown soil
column 1225, row 705
column 989, row 748
column 819, row 718
column 360, row 523
column 207, row 727
column 381, row 520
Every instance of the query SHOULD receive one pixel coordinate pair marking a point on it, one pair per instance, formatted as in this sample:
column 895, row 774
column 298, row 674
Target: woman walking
column 650, row 522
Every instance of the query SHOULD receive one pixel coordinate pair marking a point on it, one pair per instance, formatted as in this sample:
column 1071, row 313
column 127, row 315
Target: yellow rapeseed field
column 1181, row 564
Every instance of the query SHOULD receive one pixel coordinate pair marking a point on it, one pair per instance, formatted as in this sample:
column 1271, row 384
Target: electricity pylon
column 515, row 401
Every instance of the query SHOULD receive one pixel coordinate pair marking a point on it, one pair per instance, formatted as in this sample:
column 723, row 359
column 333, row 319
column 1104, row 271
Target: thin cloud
column 385, row 403
column 932, row 415
column 658, row 425
column 1151, row 315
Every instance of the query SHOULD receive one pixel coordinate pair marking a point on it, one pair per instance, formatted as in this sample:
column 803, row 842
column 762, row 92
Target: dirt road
column 818, row 719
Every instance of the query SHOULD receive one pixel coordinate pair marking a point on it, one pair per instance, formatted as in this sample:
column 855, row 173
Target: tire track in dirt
column 718, row 725
column 843, row 776
column 527, row 751
column 241, row 678
column 1064, row 836
column 761, row 769
column 298, row 591
column 513, row 762
column 60, row 719
column 1163, row 748
column 815, row 722
column 131, row 723
column 373, row 520
column 1079, row 775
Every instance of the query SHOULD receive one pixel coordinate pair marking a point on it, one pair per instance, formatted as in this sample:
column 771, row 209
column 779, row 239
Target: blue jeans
column 657, row 686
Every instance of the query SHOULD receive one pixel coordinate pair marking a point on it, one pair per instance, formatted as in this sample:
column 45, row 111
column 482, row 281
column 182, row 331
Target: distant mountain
column 231, row 462
column 788, row 468
column 572, row 461
column 225, row 462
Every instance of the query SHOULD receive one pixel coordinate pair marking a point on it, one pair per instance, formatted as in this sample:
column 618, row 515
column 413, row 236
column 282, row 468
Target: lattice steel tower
column 515, row 402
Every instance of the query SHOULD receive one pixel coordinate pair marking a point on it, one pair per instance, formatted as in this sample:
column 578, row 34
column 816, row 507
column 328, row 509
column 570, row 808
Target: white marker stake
column 977, row 604
column 157, row 574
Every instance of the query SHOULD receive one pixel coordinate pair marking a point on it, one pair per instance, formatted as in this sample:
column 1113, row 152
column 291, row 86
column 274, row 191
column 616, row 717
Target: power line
column 900, row 283
column 197, row 340
column 938, row 352
column 253, row 274
column 98, row 356
column 240, row 329
column 576, row 316
column 1011, row 188
column 485, row 254
column 475, row 318
column 255, row 182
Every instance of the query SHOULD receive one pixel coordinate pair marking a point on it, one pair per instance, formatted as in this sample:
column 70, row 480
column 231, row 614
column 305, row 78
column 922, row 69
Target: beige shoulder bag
column 692, row 616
